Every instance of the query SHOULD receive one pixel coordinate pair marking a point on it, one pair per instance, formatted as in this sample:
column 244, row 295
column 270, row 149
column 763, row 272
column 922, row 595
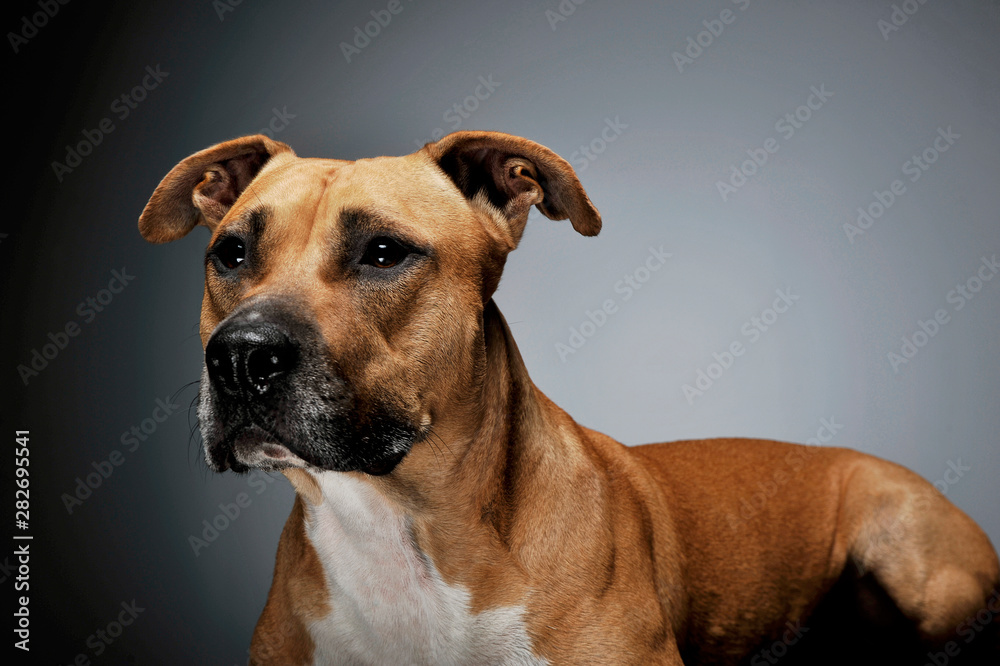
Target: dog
column 447, row 512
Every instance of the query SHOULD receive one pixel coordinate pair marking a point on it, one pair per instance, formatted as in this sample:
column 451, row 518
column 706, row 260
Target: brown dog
column 448, row 513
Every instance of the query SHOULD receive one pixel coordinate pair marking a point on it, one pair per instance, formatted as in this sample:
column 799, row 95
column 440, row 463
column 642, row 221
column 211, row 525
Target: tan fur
column 298, row 596
column 619, row 555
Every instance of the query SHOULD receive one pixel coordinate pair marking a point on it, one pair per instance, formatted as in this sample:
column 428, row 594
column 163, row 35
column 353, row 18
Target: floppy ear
column 203, row 187
column 508, row 175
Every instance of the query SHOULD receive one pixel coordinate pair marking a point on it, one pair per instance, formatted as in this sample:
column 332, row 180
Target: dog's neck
column 387, row 546
column 462, row 481
column 512, row 443
column 534, row 447
column 452, row 537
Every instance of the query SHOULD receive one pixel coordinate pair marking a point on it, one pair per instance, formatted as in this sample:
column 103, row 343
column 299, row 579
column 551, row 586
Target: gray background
column 655, row 185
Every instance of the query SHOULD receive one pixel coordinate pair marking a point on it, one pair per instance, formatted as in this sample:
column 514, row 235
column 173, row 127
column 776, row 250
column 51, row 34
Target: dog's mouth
column 255, row 448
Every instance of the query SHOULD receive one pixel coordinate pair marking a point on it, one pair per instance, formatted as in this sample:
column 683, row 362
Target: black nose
column 249, row 358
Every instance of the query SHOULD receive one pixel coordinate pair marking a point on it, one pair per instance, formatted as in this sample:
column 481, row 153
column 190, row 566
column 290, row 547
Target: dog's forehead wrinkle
column 317, row 235
column 404, row 186
column 301, row 179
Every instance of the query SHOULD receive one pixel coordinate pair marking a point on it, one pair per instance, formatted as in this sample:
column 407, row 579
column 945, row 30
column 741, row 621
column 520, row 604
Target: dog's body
column 448, row 513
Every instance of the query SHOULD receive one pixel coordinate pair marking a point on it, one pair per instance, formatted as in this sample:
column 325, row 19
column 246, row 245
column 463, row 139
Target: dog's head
column 343, row 306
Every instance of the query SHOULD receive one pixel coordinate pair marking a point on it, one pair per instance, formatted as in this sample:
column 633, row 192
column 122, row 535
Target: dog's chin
column 252, row 448
column 265, row 455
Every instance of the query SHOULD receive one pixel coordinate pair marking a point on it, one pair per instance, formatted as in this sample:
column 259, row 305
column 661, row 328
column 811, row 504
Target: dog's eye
column 384, row 253
column 231, row 252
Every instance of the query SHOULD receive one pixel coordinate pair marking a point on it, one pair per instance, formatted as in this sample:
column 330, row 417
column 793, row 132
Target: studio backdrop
column 801, row 241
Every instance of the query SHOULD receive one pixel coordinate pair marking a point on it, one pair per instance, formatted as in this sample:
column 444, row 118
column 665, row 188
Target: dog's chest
column 389, row 604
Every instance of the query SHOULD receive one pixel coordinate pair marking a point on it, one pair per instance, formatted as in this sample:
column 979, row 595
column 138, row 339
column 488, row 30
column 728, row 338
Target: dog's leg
column 932, row 560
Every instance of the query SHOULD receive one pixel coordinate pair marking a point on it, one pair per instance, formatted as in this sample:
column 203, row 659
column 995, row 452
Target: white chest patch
column 389, row 603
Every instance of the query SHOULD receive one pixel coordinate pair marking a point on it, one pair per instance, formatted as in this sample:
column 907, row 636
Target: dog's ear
column 508, row 174
column 204, row 186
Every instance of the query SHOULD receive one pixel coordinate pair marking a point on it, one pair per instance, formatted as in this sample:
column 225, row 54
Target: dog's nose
column 249, row 358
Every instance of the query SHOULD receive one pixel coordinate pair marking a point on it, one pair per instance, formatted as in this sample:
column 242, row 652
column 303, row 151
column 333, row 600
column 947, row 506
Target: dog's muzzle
column 270, row 399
